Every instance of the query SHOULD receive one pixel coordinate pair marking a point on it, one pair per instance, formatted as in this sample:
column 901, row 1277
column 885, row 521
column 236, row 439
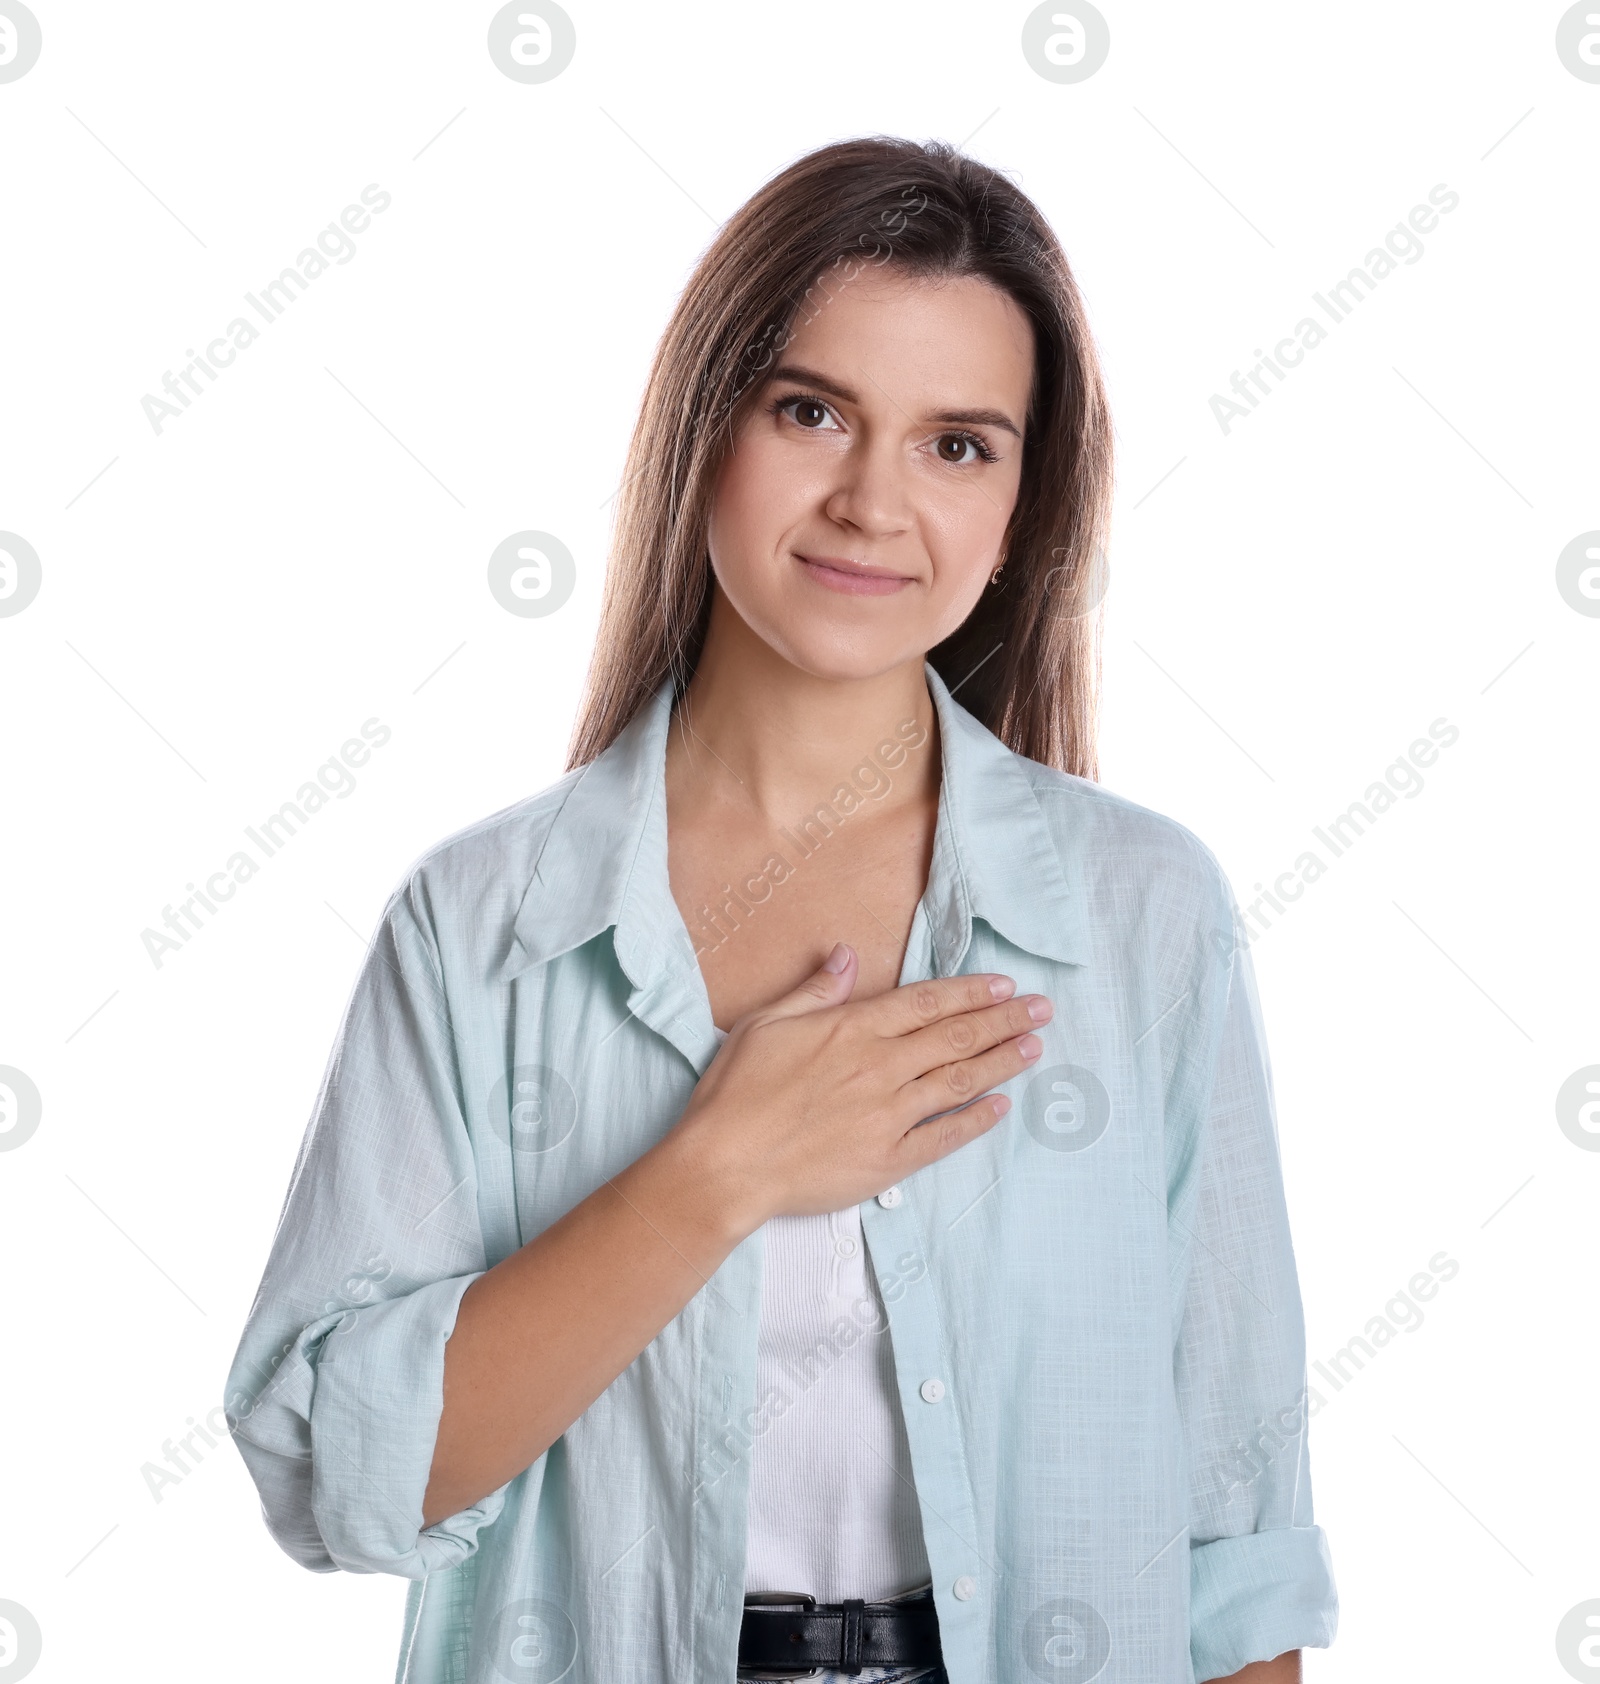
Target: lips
column 851, row 578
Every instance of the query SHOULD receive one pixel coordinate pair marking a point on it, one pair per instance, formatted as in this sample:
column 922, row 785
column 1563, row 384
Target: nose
column 871, row 494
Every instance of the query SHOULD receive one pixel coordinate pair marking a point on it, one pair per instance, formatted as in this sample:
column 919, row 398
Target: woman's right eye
column 810, row 413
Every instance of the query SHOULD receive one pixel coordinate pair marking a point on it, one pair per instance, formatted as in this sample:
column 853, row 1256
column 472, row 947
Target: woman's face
column 862, row 508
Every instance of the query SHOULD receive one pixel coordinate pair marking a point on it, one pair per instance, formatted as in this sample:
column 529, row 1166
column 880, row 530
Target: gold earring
column 994, row 578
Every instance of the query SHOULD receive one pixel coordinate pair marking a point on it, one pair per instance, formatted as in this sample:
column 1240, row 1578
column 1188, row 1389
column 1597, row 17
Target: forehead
column 937, row 341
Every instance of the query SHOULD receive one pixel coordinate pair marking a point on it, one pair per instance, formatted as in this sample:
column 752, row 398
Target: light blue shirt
column 1094, row 1310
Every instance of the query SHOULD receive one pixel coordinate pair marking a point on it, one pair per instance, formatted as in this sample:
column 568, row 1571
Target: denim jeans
column 877, row 1675
column 869, row 1675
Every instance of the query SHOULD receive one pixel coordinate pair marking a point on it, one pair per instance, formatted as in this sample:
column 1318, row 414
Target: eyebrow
column 799, row 376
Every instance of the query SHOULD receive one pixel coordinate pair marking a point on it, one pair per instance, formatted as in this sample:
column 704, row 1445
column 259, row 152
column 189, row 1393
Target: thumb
column 830, row 984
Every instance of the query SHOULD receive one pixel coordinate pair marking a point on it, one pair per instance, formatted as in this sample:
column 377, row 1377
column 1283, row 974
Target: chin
column 854, row 641
column 844, row 660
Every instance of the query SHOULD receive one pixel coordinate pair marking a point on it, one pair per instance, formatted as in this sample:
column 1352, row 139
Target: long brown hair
column 1026, row 661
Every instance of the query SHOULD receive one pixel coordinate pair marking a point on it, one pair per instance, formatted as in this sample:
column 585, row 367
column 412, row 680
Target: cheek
column 761, row 493
column 966, row 532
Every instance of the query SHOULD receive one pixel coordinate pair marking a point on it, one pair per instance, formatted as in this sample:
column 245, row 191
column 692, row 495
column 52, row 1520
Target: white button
column 965, row 1588
column 890, row 1197
column 845, row 1247
column 932, row 1390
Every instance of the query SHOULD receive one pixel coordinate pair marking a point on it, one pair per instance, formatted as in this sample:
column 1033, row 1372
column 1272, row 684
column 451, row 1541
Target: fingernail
column 1030, row 1046
column 1002, row 987
column 838, row 959
column 1039, row 1008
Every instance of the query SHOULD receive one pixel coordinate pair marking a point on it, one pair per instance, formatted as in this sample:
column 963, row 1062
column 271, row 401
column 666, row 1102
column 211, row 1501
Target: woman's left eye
column 961, row 448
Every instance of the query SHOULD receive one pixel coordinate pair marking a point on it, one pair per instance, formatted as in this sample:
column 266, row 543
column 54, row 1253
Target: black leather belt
column 804, row 1635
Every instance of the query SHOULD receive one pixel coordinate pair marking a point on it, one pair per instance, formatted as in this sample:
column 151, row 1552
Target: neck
column 755, row 732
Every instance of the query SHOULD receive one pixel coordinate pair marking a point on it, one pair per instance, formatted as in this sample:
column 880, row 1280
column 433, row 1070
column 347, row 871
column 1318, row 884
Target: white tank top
column 833, row 1508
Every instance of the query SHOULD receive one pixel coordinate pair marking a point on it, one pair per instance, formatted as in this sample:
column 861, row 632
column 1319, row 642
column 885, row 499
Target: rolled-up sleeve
column 335, row 1392
column 1261, row 1580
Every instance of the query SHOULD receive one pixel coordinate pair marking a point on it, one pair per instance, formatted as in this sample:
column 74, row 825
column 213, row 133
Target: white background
column 1292, row 603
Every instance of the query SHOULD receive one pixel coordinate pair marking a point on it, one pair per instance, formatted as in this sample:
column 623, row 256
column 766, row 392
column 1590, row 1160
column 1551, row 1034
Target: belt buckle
column 783, row 1599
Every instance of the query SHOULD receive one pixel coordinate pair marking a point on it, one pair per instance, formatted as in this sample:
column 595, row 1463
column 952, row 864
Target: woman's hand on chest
column 814, row 1102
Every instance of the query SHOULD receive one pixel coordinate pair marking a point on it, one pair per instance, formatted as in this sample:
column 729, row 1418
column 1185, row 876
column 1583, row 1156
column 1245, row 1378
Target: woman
column 650, row 1358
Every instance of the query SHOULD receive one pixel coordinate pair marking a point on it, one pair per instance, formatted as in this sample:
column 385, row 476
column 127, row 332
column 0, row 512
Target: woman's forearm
column 813, row 1106
column 1284, row 1670
column 543, row 1333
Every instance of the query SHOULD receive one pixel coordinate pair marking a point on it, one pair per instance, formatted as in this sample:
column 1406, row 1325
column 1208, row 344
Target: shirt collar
column 604, row 860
